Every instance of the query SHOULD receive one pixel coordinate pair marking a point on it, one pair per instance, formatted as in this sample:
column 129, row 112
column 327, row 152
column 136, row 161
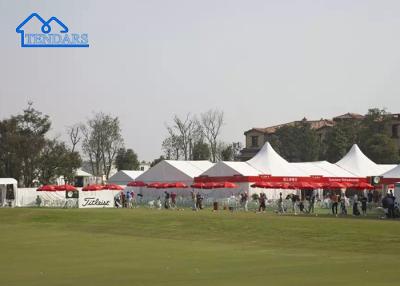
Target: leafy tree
column 337, row 143
column 381, row 149
column 127, row 159
column 296, row 143
column 57, row 160
column 201, row 151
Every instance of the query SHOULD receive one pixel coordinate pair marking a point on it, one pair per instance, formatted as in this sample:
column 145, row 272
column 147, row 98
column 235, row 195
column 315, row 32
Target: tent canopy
column 267, row 161
column 123, row 177
column 357, row 163
column 394, row 173
column 227, row 168
column 175, row 171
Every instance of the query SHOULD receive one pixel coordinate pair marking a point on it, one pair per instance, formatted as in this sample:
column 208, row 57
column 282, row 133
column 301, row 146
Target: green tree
column 126, row 159
column 337, row 144
column 381, row 149
column 296, row 143
column 201, row 151
column 57, row 160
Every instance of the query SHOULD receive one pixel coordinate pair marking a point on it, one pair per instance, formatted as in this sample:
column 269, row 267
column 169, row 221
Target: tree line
column 301, row 143
column 31, row 157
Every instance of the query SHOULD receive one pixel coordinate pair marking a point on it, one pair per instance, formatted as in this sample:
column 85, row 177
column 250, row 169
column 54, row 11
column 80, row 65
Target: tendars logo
column 49, row 34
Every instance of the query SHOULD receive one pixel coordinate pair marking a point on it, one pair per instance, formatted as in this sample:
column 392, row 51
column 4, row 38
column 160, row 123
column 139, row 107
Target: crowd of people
column 338, row 202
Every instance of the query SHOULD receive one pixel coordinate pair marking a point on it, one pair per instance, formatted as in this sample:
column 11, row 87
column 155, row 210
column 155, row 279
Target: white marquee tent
column 171, row 171
column 123, row 177
column 360, row 165
column 268, row 162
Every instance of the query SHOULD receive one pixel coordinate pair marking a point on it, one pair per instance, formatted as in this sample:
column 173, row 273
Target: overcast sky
column 261, row 62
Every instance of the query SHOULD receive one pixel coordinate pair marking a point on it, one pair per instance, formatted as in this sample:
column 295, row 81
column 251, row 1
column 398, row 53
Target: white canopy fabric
column 323, row 168
column 227, row 168
column 268, row 162
column 175, row 171
column 357, row 163
column 123, row 177
column 394, row 173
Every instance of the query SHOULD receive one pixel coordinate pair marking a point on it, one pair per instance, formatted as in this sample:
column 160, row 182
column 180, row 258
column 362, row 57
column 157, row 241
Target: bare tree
column 101, row 141
column 74, row 135
column 183, row 133
column 212, row 122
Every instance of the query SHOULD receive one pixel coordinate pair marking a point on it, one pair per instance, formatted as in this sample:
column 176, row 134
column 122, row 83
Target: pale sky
column 261, row 62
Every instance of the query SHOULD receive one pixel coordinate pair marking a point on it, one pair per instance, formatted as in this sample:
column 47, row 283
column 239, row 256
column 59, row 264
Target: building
column 256, row 137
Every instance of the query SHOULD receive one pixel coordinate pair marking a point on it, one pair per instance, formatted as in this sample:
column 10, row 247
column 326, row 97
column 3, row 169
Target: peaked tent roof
column 268, row 162
column 123, row 177
column 173, row 171
column 393, row 173
column 80, row 173
column 357, row 163
column 228, row 168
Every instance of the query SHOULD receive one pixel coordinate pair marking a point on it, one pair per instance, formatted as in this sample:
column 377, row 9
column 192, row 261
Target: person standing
column 133, row 199
column 334, row 200
column 199, row 201
column 312, row 203
column 356, row 212
column 173, row 200
column 281, row 209
column 128, row 199
column 194, row 201
column 166, row 200
column 364, row 201
column 342, row 201
column 261, row 200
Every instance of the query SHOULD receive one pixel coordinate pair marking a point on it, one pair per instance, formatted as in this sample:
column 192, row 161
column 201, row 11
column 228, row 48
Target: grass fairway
column 149, row 247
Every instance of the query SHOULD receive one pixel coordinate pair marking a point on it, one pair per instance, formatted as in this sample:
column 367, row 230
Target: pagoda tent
column 170, row 171
column 268, row 162
column 358, row 164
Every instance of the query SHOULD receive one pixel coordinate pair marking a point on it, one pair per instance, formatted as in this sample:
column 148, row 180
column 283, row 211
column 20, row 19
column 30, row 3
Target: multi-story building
column 256, row 137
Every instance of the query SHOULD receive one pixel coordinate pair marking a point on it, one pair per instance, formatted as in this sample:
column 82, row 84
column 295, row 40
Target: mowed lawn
column 151, row 247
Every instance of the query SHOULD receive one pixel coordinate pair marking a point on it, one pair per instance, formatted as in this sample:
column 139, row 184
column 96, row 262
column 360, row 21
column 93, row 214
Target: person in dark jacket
column 364, row 201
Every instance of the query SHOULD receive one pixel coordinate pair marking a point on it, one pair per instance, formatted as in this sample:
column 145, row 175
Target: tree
column 381, row 149
column 57, row 160
column 212, row 122
column 201, row 151
column 101, row 141
column 74, row 135
column 172, row 147
column 126, row 159
column 296, row 143
column 226, row 152
column 182, row 135
column 337, row 144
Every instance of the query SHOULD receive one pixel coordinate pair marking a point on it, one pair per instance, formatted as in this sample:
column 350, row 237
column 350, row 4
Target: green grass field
column 151, row 247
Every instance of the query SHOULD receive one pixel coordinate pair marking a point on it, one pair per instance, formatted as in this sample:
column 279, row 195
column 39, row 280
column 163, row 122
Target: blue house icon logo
column 51, row 34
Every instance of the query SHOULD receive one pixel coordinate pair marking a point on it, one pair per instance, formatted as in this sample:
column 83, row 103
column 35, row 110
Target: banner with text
column 96, row 199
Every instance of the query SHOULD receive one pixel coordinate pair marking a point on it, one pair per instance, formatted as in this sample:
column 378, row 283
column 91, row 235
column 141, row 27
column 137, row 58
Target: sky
column 261, row 62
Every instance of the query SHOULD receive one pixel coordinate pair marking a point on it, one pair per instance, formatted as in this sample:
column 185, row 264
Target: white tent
column 323, row 168
column 172, row 171
column 8, row 189
column 360, row 165
column 123, row 177
column 268, row 162
column 227, row 168
column 394, row 173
